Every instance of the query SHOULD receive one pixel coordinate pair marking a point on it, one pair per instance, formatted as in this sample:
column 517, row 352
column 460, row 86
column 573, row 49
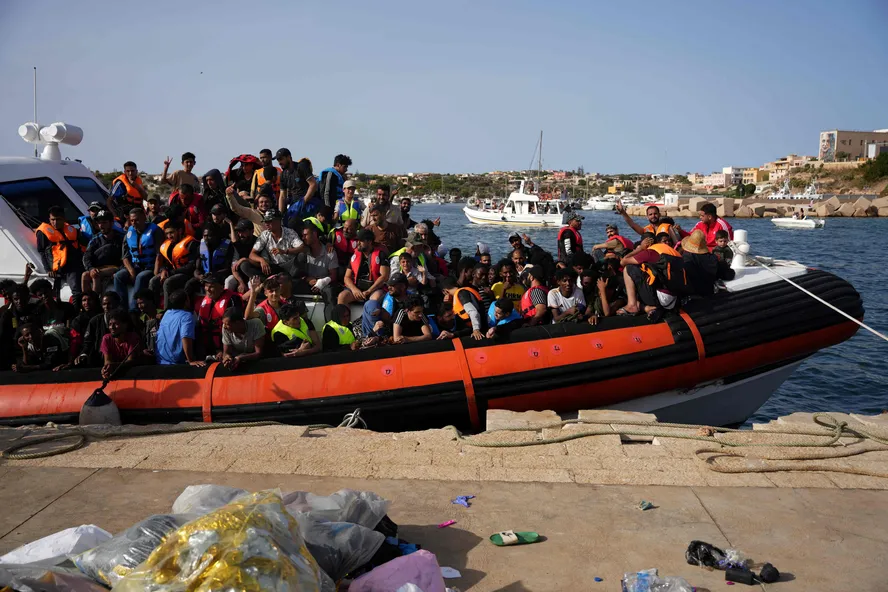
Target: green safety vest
column 350, row 212
column 397, row 254
column 346, row 337
column 322, row 230
column 291, row 332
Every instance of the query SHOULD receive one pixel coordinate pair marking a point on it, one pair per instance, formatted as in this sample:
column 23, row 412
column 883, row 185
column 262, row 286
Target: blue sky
column 446, row 86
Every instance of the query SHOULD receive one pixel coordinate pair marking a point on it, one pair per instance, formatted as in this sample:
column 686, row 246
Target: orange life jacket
column 132, row 190
column 260, row 179
column 528, row 309
column 189, row 229
column 668, row 272
column 458, row 308
column 179, row 255
column 60, row 243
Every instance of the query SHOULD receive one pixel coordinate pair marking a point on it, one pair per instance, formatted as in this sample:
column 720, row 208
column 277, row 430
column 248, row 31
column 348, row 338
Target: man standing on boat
column 570, row 241
column 299, row 188
column 127, row 191
column 333, row 180
column 61, row 246
column 710, row 223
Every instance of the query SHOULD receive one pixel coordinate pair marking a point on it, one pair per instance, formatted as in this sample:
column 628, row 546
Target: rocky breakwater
column 728, row 207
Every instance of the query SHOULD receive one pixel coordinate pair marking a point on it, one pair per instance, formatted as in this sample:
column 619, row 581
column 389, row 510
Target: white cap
column 483, row 248
column 442, row 251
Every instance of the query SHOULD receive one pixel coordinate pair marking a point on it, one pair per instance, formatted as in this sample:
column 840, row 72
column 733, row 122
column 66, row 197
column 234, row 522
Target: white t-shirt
column 557, row 300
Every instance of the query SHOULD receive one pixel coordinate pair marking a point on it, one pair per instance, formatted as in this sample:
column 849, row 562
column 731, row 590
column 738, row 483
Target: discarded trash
column 510, row 537
column 645, row 505
column 598, row 579
column 420, row 569
column 404, row 547
column 733, row 559
column 463, row 500
column 649, row 581
column 769, row 574
column 447, row 523
column 450, row 573
column 55, row 548
column 741, row 576
column 110, row 561
column 34, row 578
column 729, row 583
column 230, row 548
column 700, row 553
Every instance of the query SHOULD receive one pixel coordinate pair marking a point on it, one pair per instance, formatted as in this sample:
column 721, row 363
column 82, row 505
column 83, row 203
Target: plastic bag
column 338, row 547
column 251, row 544
column 346, row 505
column 203, row 499
column 700, row 553
column 649, row 581
column 33, row 578
column 55, row 548
column 420, row 569
column 113, row 559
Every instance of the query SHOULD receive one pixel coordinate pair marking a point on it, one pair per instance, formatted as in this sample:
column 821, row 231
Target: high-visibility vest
column 346, row 337
column 60, row 243
column 132, row 191
column 291, row 332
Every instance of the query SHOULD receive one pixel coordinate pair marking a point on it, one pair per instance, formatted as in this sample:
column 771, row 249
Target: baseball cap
column 217, row 209
column 514, row 236
column 95, row 206
column 348, row 184
column 532, row 271
column 282, row 152
column 397, row 278
column 366, row 235
column 211, row 279
column 271, row 214
column 574, row 216
column 104, row 215
column 243, row 224
column 153, row 197
column 610, row 227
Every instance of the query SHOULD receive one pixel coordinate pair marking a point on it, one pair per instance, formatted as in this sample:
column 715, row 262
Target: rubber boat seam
column 468, row 385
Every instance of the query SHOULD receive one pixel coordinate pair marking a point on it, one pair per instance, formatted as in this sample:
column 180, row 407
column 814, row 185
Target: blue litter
column 463, row 500
column 598, row 580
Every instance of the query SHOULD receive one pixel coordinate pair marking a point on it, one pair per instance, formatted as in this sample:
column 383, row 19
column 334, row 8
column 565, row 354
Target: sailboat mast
column 540, row 166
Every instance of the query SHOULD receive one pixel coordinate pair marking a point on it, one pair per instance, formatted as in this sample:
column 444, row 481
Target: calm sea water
column 848, row 377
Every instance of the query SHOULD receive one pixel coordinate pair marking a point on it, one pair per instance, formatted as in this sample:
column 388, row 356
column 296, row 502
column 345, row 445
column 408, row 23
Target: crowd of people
column 220, row 270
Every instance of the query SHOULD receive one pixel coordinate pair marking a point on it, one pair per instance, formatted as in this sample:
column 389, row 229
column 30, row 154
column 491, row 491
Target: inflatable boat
column 715, row 362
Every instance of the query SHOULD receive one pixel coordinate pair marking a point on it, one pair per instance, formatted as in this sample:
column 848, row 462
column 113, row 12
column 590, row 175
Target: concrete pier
column 826, row 530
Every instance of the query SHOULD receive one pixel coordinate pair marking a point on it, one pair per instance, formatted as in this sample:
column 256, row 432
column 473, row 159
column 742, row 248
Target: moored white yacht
column 600, row 203
column 520, row 209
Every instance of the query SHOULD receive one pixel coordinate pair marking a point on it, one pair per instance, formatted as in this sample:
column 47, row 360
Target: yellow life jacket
column 291, row 332
column 346, row 337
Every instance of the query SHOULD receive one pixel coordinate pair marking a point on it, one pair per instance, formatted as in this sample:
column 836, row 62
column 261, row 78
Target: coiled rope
column 83, row 435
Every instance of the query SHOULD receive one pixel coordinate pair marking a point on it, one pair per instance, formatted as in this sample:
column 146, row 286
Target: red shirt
column 647, row 256
column 119, row 350
column 719, row 224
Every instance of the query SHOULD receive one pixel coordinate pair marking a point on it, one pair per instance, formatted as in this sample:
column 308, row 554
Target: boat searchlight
column 51, row 136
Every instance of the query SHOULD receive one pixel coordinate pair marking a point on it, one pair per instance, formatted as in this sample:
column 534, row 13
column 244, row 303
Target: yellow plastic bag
column 253, row 543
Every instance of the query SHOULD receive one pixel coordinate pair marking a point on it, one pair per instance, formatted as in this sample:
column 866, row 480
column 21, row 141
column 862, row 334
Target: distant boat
column 600, row 203
column 783, row 192
column 521, row 209
column 799, row 223
column 810, row 193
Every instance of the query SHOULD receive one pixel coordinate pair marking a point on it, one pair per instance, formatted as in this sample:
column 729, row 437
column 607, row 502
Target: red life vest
column 210, row 315
column 376, row 261
column 709, row 231
column 132, row 192
column 627, row 244
column 576, row 234
column 442, row 266
column 345, row 247
column 268, row 314
column 527, row 306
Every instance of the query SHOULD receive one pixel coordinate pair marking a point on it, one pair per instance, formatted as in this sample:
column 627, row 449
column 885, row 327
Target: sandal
column 655, row 316
column 510, row 537
column 625, row 313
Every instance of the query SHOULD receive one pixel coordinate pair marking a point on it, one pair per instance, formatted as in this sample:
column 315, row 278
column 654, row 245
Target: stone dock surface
column 825, row 530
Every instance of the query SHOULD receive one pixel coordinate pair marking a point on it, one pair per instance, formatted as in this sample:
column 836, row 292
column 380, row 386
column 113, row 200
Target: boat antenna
column 540, row 165
column 35, row 106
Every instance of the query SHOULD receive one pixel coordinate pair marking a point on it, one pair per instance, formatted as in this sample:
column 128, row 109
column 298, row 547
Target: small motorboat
column 600, row 204
column 520, row 209
column 798, row 223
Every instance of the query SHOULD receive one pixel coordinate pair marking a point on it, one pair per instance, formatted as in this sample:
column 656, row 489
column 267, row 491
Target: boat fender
column 99, row 409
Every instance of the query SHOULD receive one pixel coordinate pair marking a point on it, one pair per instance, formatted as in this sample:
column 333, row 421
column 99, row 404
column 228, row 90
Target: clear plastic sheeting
column 339, row 547
column 251, row 544
column 113, row 559
column 346, row 505
column 55, row 548
column 31, row 578
column 203, row 499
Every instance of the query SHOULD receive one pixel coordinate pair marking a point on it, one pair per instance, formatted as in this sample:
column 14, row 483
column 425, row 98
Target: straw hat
column 695, row 243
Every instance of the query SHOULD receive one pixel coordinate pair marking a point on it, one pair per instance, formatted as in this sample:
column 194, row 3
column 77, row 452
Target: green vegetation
column 876, row 169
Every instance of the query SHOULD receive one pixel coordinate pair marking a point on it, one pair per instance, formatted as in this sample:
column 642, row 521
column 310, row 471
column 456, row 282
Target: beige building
column 848, row 145
column 717, row 180
column 778, row 169
column 696, row 178
column 754, row 175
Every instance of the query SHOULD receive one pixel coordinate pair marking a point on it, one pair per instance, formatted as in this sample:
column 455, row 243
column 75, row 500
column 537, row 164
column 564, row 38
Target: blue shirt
column 174, row 325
